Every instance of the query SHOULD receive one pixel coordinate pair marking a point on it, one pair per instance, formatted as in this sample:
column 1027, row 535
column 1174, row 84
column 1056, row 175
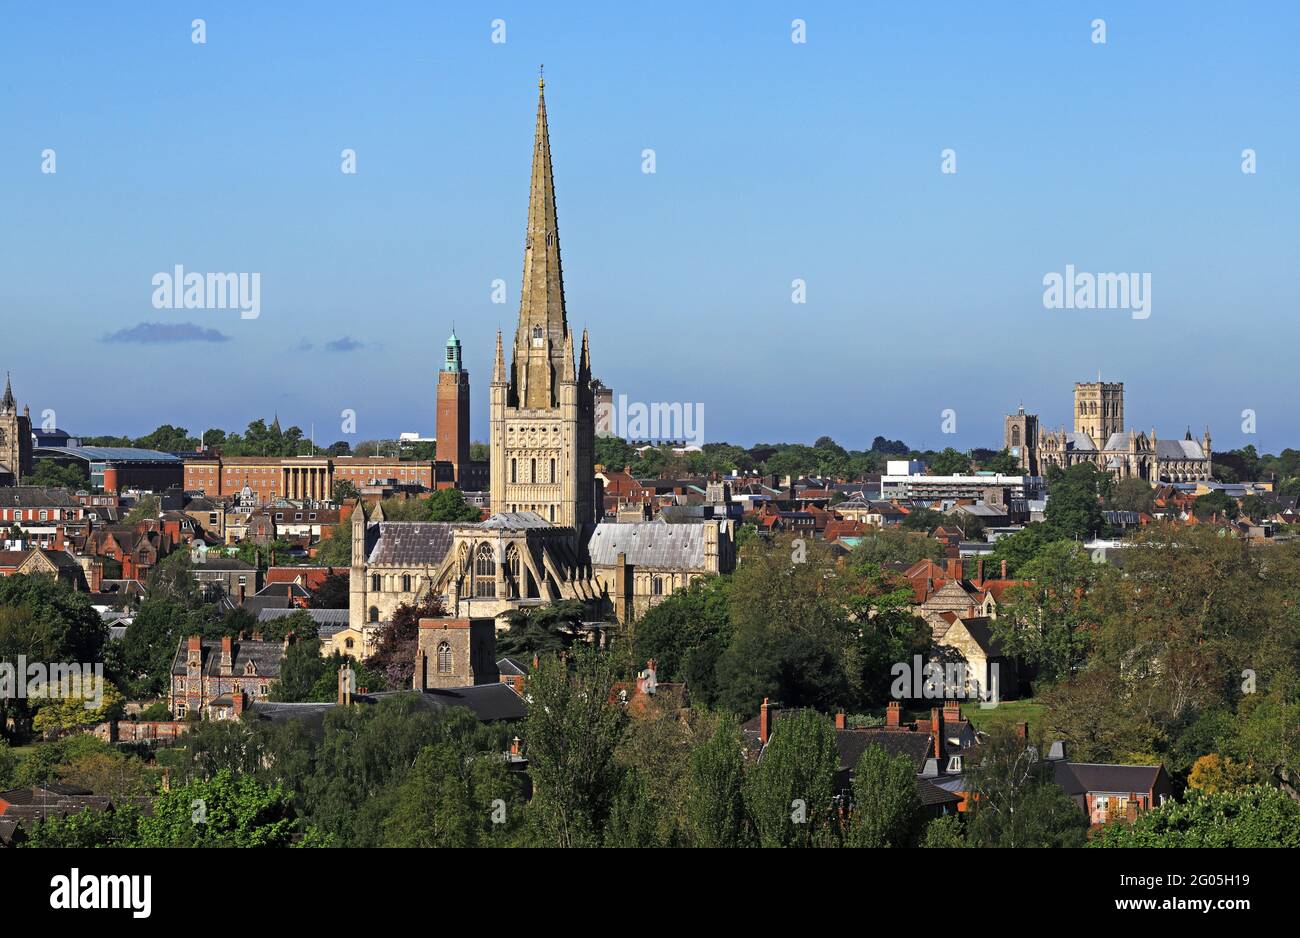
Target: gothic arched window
column 1015, row 436
column 485, row 571
column 374, row 613
column 657, row 586
column 514, row 471
column 406, row 582
column 444, row 658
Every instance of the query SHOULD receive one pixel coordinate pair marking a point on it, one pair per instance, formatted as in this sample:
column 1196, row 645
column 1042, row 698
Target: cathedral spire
column 8, row 405
column 499, row 364
column 540, row 339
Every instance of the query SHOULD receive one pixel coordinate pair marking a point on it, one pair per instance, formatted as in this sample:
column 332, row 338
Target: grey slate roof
column 515, row 521
column 489, row 702
column 1079, row 441
column 412, row 543
column 264, row 655
column 648, row 544
column 319, row 616
column 1179, row 449
column 36, row 496
column 513, row 666
column 1078, row 778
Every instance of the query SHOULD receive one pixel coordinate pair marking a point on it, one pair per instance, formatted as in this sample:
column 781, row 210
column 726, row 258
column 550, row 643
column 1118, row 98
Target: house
column 935, row 748
column 218, row 678
column 227, row 576
column 1110, row 792
column 56, row 563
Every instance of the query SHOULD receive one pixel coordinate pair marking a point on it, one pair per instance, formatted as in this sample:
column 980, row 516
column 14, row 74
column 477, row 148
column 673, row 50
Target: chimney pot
column 764, row 722
column 839, row 720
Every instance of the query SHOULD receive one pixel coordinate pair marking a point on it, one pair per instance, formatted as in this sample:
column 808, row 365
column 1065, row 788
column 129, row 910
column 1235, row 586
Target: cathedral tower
column 453, row 411
column 15, row 439
column 543, row 410
column 1099, row 410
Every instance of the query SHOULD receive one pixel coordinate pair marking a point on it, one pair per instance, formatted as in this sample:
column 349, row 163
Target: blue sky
column 775, row 161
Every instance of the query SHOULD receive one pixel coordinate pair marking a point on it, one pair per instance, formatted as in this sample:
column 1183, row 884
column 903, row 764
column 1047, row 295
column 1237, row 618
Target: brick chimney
column 514, row 746
column 894, row 714
column 764, row 722
column 951, row 711
column 1132, row 807
column 238, row 698
column 195, row 644
column 839, row 720
column 227, row 655
column 979, row 571
column 1004, row 569
column 936, row 730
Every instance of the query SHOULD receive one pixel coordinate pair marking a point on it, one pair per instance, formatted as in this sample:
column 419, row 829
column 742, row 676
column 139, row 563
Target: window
column 444, row 658
column 485, row 572
column 374, row 613
column 532, row 470
column 348, row 643
column 406, row 582
column 552, row 477
column 376, row 583
column 657, row 586
column 514, row 475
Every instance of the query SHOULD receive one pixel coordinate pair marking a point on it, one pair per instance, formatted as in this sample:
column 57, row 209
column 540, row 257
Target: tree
column 944, row 833
column 450, row 505
column 49, row 473
column 788, row 793
column 1216, row 504
column 715, row 788
column 886, row 810
column 85, row 829
column 73, row 703
column 950, row 463
column 1132, row 494
column 344, row 490
column 41, row 620
column 542, row 629
column 1073, row 510
column 459, row 792
column 1213, row 773
column 572, row 733
column 333, row 593
column 1014, row 801
column 224, row 811
column 394, row 656
column 881, row 546
column 145, row 509
column 1046, row 621
column 1257, row 816
column 792, row 638
column 685, row 634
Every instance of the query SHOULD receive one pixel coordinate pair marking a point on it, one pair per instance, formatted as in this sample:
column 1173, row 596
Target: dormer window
column 538, row 341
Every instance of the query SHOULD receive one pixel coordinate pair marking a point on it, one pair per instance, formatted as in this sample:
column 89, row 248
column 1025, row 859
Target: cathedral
column 545, row 540
column 1099, row 437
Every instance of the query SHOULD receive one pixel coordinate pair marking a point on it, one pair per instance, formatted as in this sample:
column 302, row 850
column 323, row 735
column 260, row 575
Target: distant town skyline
column 775, row 162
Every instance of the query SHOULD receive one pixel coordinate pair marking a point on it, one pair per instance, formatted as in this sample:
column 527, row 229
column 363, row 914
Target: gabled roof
column 412, row 543
column 648, row 544
column 1079, row 778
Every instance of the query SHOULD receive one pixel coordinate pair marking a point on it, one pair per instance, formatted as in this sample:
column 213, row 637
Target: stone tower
column 453, row 410
column 1099, row 409
column 1020, row 439
column 542, row 410
column 15, row 439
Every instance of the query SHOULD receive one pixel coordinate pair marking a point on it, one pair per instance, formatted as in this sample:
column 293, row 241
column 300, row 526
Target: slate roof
column 930, row 794
column 1079, row 441
column 319, row 616
column 36, row 496
column 412, row 543
column 648, row 544
column 515, row 521
column 853, row 743
column 1079, row 778
column 513, row 666
column 264, row 655
column 1179, row 449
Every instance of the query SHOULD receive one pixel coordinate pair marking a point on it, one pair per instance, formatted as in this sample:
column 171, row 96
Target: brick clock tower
column 453, row 411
